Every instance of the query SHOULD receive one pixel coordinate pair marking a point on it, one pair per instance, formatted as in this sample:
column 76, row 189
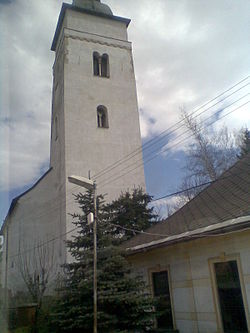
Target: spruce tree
column 123, row 302
column 130, row 213
column 245, row 146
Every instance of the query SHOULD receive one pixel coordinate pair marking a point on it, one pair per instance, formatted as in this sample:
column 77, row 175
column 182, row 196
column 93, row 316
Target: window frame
column 105, row 57
column 56, row 128
column 98, row 61
column 158, row 269
column 220, row 259
column 104, row 109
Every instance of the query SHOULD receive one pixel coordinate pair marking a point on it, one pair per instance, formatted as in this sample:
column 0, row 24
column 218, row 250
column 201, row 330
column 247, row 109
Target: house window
column 102, row 117
column 230, row 297
column 101, row 64
column 163, row 300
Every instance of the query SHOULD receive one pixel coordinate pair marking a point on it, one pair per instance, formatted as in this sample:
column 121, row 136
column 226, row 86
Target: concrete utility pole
column 90, row 185
column 95, row 260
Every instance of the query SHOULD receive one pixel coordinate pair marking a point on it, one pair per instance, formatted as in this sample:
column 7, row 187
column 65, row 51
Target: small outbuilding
column 197, row 261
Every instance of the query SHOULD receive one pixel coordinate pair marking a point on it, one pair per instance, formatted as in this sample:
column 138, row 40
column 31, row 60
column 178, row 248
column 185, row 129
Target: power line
column 117, row 226
column 185, row 190
column 75, row 187
column 154, row 200
column 192, row 188
column 134, row 163
column 129, row 171
column 114, row 179
column 159, row 136
column 130, row 229
column 107, row 180
column 44, row 243
column 180, row 135
column 174, row 125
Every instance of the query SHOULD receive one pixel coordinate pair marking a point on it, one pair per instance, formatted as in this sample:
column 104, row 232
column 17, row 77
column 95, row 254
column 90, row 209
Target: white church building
column 94, row 125
column 197, row 260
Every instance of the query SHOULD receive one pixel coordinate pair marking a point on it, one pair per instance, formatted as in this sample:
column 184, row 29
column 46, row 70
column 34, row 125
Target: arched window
column 102, row 117
column 105, row 65
column 96, row 63
column 101, row 64
column 56, row 128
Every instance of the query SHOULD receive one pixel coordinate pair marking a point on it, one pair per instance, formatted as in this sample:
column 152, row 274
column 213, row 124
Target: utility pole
column 95, row 259
column 90, row 185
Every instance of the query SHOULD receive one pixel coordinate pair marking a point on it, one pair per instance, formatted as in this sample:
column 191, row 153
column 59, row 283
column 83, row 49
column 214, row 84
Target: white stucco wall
column 84, row 147
column 35, row 220
column 189, row 265
column 88, row 147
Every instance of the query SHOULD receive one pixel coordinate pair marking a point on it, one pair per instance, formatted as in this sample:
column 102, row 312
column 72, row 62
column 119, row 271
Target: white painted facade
column 193, row 289
column 78, row 145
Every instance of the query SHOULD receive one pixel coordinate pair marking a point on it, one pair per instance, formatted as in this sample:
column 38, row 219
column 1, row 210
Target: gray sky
column 185, row 52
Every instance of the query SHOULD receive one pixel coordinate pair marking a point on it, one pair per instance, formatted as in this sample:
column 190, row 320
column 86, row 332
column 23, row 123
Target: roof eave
column 15, row 200
column 68, row 6
column 232, row 225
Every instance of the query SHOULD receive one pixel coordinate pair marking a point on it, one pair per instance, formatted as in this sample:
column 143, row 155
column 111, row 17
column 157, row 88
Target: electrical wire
column 118, row 226
column 165, row 131
column 162, row 132
column 75, row 187
column 174, row 125
column 100, row 184
column 106, row 181
column 198, row 186
column 158, row 139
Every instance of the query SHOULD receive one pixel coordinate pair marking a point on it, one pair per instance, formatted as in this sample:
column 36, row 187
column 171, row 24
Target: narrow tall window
column 102, row 117
column 163, row 299
column 105, row 65
column 96, row 61
column 230, row 297
column 56, row 128
column 101, row 64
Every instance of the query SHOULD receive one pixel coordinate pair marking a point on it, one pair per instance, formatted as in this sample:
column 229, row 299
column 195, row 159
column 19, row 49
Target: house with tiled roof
column 196, row 262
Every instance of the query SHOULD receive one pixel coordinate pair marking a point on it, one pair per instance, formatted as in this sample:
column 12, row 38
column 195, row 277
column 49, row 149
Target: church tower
column 95, row 122
column 95, row 125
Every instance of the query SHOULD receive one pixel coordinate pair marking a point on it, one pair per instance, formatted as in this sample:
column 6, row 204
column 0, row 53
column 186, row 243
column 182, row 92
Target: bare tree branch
column 36, row 268
column 210, row 153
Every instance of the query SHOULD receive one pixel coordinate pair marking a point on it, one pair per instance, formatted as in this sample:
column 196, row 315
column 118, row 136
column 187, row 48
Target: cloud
column 190, row 52
column 185, row 52
column 5, row 2
column 25, row 90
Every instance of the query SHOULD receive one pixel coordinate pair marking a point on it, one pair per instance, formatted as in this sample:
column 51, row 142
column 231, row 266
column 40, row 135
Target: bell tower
column 95, row 122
